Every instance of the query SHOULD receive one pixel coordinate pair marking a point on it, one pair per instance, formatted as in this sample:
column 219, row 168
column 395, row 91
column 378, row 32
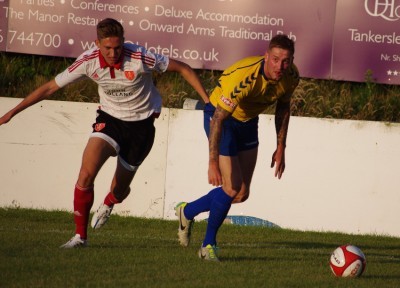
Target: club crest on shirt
column 99, row 126
column 130, row 75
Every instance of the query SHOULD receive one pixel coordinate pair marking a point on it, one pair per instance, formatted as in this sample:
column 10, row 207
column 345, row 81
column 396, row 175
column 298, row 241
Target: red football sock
column 83, row 201
column 110, row 200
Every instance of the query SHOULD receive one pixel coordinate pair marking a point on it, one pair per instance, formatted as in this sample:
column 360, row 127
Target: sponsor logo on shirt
column 227, row 102
column 118, row 93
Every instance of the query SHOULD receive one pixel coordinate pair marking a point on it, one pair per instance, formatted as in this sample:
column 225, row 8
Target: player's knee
column 85, row 179
column 240, row 198
column 232, row 192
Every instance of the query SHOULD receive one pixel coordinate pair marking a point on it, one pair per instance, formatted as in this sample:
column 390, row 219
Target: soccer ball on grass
column 347, row 261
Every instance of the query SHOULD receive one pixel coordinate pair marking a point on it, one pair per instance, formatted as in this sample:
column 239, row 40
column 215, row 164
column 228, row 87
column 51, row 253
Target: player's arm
column 190, row 76
column 282, row 116
column 36, row 96
column 214, row 139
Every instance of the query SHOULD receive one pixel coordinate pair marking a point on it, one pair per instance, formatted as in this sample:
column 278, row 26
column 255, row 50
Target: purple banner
column 367, row 38
column 3, row 24
column 337, row 39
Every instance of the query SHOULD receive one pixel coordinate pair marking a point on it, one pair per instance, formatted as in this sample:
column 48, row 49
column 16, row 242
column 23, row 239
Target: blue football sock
column 218, row 211
column 200, row 205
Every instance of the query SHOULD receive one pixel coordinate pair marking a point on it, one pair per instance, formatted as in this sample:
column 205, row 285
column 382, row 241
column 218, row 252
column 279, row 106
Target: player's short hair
column 282, row 41
column 109, row 28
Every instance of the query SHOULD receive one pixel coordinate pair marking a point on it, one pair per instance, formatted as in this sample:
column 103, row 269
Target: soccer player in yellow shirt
column 244, row 91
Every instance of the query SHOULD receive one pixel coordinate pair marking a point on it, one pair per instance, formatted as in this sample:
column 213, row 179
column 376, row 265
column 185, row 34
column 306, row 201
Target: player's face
column 277, row 60
column 111, row 49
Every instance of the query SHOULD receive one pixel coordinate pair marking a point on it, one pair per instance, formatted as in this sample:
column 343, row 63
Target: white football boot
column 100, row 217
column 185, row 225
column 209, row 253
column 75, row 242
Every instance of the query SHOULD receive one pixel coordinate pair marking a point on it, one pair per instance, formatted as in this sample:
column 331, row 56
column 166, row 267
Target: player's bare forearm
column 37, row 95
column 190, row 76
column 214, row 173
column 215, row 133
column 282, row 116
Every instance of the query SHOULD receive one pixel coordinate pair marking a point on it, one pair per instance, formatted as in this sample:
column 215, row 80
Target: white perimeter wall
column 340, row 175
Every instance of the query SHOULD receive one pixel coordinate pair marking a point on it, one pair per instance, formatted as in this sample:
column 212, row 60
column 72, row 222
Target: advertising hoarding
column 335, row 39
column 367, row 41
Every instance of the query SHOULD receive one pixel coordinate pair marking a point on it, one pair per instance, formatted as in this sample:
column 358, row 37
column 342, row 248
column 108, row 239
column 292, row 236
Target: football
column 347, row 261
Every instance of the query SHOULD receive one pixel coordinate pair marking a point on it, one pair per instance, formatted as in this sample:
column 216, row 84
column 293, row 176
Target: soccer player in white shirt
column 124, row 127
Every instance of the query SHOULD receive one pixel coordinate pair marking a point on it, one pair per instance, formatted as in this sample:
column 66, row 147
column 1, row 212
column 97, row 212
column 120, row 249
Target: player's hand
column 214, row 174
column 278, row 158
column 5, row 118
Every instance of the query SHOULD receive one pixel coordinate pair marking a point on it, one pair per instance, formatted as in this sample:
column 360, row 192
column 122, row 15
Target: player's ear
column 97, row 43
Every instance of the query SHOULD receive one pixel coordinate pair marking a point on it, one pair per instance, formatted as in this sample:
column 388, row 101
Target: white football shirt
column 126, row 91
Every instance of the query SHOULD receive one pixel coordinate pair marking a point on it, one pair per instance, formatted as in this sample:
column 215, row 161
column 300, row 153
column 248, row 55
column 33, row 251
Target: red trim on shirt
column 85, row 58
column 104, row 64
column 137, row 55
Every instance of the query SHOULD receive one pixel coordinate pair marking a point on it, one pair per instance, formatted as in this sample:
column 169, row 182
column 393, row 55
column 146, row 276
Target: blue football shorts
column 236, row 135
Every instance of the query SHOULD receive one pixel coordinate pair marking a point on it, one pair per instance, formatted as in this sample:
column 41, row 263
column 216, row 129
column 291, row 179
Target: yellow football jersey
column 244, row 91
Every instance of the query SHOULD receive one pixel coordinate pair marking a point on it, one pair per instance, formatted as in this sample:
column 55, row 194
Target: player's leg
column 122, row 179
column 247, row 162
column 247, row 145
column 119, row 190
column 237, row 172
column 221, row 203
column 241, row 143
column 186, row 212
column 136, row 142
column 222, row 200
column 198, row 206
column 97, row 151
